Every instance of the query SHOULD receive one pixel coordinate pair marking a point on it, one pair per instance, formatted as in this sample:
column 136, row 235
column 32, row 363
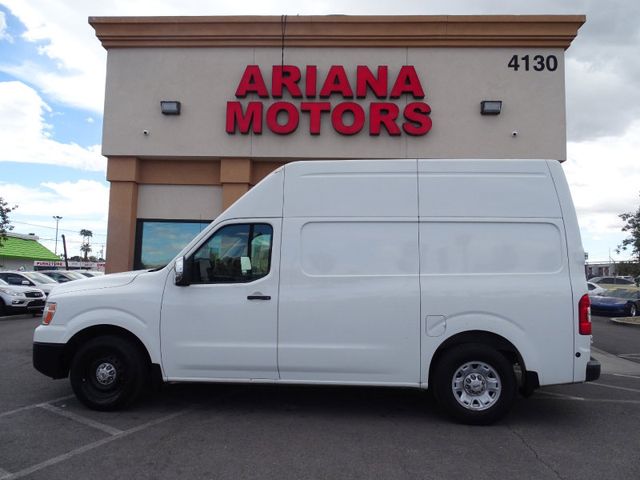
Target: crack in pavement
column 535, row 453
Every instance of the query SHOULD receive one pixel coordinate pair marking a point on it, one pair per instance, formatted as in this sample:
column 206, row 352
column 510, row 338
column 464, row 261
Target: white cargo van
column 463, row 276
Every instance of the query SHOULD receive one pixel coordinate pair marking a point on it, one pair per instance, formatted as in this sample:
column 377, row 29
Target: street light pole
column 57, row 218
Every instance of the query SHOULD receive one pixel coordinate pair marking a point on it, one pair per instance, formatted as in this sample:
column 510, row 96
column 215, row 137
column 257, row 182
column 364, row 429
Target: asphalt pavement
column 583, row 431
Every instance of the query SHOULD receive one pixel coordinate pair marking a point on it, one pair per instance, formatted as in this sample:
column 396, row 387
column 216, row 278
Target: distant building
column 18, row 252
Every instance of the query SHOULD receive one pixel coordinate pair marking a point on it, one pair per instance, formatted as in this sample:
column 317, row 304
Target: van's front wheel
column 108, row 372
column 474, row 383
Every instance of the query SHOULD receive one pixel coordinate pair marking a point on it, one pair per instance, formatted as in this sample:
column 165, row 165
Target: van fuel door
column 436, row 325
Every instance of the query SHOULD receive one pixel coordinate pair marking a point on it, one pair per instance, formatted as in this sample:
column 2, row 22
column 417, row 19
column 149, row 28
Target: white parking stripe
column 626, row 376
column 559, row 396
column 35, row 405
column 626, row 389
column 90, row 446
column 80, row 419
column 562, row 395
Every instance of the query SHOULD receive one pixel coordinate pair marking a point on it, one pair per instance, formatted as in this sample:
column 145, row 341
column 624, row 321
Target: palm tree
column 85, row 247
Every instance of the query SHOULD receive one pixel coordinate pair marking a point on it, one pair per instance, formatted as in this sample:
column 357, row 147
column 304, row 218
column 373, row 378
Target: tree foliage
column 632, row 227
column 86, row 246
column 5, row 225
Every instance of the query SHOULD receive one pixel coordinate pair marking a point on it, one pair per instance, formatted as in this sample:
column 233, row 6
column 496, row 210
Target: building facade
column 20, row 252
column 199, row 109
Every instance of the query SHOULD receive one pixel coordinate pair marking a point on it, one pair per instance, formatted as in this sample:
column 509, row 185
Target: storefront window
column 159, row 241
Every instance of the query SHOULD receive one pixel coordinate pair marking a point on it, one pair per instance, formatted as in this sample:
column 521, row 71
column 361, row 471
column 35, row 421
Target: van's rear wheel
column 108, row 372
column 474, row 383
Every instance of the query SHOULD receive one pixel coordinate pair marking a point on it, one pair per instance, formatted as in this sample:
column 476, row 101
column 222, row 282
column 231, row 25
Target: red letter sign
column 253, row 116
column 365, row 78
column 336, row 82
column 417, row 114
column 292, row 118
column 286, row 76
column 252, row 82
column 407, row 82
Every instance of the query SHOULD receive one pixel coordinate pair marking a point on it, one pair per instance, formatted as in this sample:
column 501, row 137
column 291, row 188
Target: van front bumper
column 49, row 358
column 593, row 370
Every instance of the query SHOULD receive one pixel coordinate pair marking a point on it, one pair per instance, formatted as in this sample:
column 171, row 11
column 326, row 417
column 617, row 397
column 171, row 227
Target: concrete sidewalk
column 614, row 364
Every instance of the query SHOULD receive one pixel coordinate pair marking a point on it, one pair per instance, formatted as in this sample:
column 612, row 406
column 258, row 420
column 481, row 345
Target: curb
column 633, row 321
column 612, row 364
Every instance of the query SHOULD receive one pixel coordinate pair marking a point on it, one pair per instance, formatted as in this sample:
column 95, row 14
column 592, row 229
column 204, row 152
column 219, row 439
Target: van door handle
column 259, row 297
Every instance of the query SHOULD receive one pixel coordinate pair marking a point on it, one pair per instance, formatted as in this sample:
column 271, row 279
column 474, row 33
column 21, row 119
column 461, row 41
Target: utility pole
column 57, row 218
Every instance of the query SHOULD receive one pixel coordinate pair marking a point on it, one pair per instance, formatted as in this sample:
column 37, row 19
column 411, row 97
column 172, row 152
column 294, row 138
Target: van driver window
column 234, row 254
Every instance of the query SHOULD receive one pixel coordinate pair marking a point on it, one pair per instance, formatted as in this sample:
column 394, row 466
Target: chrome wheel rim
column 476, row 386
column 106, row 374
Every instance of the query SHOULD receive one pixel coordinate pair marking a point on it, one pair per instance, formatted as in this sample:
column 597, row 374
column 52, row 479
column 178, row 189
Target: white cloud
column 26, row 137
column 83, row 204
column 604, row 176
column 4, row 35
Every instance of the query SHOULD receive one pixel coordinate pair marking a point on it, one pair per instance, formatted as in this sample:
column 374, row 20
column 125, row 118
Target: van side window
column 234, row 254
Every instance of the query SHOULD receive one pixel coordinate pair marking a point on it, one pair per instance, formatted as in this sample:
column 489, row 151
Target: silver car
column 20, row 299
column 29, row 279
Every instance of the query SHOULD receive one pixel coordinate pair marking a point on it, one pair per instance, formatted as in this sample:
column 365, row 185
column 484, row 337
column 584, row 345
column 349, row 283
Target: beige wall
column 455, row 81
column 168, row 202
column 188, row 164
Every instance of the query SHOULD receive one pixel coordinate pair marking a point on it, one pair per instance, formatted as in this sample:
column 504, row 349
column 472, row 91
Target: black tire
column 474, row 367
column 108, row 373
column 633, row 311
column 2, row 308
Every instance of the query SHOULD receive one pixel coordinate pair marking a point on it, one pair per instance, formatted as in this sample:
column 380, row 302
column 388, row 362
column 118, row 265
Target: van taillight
column 584, row 315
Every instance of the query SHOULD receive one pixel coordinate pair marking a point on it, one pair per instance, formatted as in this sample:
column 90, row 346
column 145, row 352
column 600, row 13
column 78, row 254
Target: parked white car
column 20, row 299
column 29, row 279
column 410, row 273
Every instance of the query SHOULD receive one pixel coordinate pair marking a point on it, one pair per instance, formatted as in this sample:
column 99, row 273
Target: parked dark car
column 620, row 301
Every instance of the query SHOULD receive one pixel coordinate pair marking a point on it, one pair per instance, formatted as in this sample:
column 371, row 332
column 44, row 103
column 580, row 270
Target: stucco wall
column 455, row 80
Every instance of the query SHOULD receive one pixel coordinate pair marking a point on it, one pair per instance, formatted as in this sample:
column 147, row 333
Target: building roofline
column 542, row 31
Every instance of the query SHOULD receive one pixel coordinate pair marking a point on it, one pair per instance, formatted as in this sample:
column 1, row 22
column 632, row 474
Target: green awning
column 13, row 247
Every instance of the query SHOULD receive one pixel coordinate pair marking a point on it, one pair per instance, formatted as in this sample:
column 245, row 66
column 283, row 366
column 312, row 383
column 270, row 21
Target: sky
column 52, row 78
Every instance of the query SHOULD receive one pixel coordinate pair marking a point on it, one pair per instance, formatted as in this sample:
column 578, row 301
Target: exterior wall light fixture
column 170, row 107
column 490, row 107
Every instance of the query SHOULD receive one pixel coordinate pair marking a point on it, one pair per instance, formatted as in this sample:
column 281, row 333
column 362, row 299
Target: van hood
column 106, row 281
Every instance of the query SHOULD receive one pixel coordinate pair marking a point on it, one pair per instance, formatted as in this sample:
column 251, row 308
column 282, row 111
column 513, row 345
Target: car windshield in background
column 38, row 277
column 75, row 275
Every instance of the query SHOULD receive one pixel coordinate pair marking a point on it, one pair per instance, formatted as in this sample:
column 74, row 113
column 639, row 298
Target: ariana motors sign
column 369, row 101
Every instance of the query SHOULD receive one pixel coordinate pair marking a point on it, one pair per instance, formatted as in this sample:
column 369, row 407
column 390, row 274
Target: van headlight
column 48, row 313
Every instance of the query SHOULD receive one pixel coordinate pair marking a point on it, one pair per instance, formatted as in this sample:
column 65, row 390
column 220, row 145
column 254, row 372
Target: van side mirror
column 183, row 272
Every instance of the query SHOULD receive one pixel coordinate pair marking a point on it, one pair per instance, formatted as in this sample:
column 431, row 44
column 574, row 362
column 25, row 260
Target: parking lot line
column 560, row 396
column 626, row 389
column 626, row 376
column 35, row 405
column 90, row 446
column 80, row 419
